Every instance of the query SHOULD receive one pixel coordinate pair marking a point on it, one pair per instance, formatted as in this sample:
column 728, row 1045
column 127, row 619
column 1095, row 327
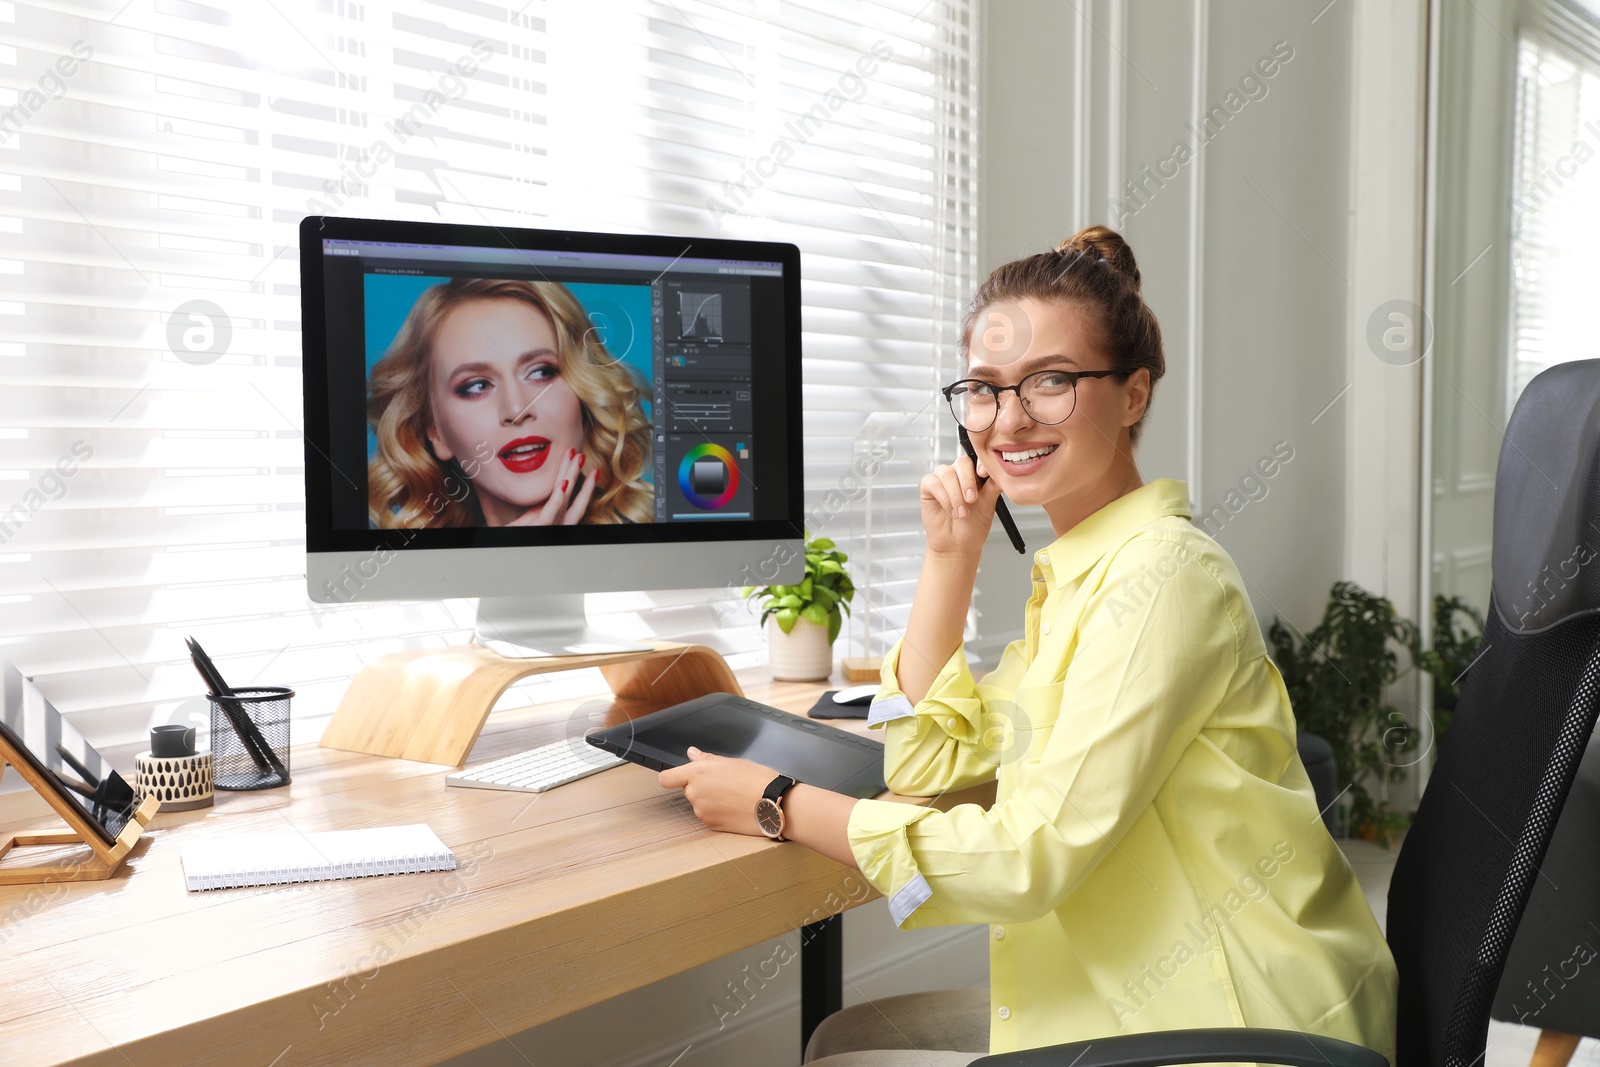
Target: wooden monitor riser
column 430, row 704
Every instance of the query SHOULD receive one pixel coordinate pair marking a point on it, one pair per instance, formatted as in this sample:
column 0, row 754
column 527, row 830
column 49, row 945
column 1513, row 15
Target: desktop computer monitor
column 526, row 415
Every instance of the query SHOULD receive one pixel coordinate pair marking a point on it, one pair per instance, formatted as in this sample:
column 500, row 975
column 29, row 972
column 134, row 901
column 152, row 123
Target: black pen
column 1002, row 512
column 249, row 734
column 243, row 726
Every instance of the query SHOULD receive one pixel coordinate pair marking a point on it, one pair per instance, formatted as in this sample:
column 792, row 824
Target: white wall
column 695, row 1015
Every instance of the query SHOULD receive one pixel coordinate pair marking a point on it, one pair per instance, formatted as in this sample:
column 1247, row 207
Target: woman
column 497, row 405
column 1154, row 858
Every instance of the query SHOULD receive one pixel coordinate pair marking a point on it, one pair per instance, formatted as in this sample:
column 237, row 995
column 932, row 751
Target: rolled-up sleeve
column 1149, row 665
column 940, row 744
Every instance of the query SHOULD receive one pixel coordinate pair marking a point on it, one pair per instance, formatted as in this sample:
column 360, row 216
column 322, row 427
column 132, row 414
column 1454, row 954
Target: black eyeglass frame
column 1074, row 375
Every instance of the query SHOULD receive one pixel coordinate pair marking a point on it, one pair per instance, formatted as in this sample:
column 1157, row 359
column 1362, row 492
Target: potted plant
column 1454, row 650
column 1336, row 674
column 803, row 619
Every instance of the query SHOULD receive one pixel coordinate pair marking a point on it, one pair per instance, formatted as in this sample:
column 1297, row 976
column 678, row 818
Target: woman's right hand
column 558, row 509
column 957, row 510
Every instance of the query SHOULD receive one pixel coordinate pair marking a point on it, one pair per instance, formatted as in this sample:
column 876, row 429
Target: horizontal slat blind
column 155, row 161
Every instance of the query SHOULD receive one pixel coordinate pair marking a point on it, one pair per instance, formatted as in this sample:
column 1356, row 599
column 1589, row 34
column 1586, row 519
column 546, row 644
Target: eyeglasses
column 1048, row 396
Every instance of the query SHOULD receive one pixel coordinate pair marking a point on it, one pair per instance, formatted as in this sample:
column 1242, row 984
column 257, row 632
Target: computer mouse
column 856, row 694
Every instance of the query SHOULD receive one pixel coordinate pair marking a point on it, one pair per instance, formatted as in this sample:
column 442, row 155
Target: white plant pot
column 804, row 654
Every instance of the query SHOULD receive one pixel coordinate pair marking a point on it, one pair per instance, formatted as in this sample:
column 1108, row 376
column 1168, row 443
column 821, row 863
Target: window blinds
column 1556, row 190
column 155, row 160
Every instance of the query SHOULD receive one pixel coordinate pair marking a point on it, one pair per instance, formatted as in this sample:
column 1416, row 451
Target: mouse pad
column 825, row 708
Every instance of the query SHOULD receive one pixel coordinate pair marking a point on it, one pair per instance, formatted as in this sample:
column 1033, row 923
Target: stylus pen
column 249, row 734
column 265, row 759
column 1001, row 511
column 236, row 714
column 261, row 752
column 1010, row 524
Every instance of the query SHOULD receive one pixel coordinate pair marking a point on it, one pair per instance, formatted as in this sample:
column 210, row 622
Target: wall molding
column 1197, row 260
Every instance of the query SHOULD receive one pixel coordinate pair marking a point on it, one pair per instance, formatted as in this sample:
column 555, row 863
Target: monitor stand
column 430, row 704
column 527, row 627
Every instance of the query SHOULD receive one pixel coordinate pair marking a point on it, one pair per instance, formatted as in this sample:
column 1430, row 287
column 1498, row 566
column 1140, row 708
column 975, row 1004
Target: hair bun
column 1108, row 245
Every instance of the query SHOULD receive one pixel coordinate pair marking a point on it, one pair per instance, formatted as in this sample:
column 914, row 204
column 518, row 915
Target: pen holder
column 262, row 760
column 181, row 783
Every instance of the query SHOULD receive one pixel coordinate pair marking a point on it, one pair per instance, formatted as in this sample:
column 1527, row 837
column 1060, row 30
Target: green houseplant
column 1453, row 651
column 804, row 619
column 1335, row 675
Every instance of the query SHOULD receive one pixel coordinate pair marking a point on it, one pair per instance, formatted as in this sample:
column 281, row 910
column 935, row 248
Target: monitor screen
column 59, row 754
column 487, row 387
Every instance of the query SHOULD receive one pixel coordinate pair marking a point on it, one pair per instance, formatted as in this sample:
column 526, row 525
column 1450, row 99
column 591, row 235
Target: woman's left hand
column 723, row 790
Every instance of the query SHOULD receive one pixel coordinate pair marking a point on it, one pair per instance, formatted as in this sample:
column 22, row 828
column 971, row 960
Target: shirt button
column 1046, row 627
column 999, row 933
column 1044, row 558
column 1004, row 1013
column 950, row 723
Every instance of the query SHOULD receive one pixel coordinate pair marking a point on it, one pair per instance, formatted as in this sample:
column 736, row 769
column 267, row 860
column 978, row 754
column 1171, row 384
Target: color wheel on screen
column 708, row 476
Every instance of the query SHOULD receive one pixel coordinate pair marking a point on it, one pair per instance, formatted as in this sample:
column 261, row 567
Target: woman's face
column 1043, row 464
column 500, row 404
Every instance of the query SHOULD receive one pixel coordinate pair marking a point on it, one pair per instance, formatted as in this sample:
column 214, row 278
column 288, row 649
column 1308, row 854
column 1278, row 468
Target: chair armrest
column 1220, row 1045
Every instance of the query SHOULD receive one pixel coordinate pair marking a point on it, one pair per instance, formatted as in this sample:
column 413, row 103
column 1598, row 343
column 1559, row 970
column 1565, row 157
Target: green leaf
column 821, row 543
column 786, row 619
column 816, row 612
column 834, row 623
column 791, row 600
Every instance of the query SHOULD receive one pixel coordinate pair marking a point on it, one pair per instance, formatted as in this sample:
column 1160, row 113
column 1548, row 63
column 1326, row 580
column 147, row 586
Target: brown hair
column 1093, row 270
column 408, row 487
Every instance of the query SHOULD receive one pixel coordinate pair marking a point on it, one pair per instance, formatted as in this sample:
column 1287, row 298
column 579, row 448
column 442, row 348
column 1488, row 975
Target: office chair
column 1526, row 712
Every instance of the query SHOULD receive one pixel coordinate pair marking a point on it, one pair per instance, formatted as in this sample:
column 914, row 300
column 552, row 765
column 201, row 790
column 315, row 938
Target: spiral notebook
column 281, row 858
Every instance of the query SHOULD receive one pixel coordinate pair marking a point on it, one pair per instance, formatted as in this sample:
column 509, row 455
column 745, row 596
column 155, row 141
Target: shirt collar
column 1075, row 551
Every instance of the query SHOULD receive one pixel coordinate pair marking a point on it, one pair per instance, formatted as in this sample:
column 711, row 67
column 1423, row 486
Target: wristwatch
column 769, row 809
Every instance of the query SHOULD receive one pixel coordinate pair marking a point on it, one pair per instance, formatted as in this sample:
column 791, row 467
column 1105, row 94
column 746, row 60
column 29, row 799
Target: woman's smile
column 525, row 454
column 1022, row 459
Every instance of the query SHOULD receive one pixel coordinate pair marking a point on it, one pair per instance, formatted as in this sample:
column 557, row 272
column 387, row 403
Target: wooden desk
column 563, row 899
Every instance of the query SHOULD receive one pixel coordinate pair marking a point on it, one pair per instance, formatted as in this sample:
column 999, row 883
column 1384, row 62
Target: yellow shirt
column 1154, row 858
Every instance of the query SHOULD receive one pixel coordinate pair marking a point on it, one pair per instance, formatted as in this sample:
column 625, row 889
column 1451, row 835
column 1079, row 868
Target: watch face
column 770, row 817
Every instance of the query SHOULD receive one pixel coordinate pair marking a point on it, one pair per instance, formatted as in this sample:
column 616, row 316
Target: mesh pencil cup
column 258, row 762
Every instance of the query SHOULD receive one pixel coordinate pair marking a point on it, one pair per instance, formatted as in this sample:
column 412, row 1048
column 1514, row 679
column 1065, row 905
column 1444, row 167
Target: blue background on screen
column 620, row 314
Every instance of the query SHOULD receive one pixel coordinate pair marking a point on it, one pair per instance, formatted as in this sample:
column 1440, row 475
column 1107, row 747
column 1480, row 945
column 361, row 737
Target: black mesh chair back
column 1525, row 713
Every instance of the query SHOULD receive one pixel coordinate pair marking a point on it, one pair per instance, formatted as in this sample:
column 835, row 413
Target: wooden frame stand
column 105, row 859
column 430, row 704
column 861, row 668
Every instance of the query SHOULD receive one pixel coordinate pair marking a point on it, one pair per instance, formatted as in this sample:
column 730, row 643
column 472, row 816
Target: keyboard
column 537, row 769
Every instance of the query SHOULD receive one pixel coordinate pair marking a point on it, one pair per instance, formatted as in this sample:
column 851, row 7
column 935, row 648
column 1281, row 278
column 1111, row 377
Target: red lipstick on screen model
column 525, row 454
